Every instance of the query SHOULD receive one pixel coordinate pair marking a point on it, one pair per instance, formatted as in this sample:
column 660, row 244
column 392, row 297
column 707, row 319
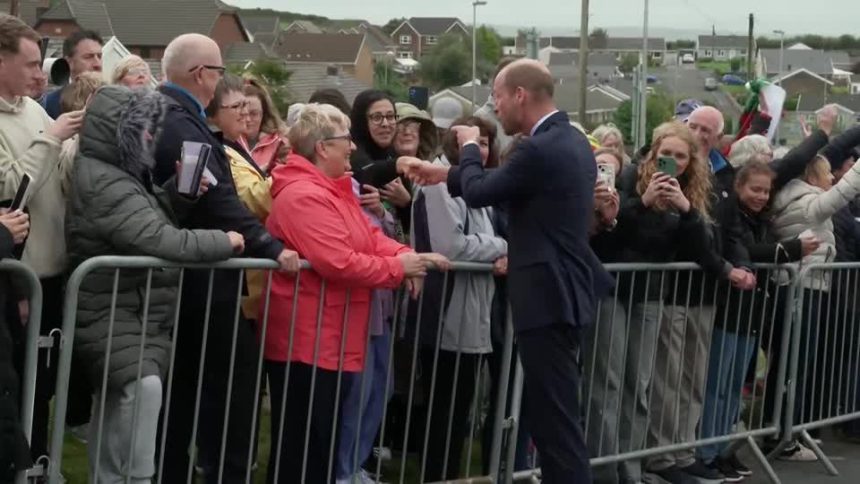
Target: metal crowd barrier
column 825, row 359
column 648, row 369
column 409, row 436
column 24, row 274
column 664, row 344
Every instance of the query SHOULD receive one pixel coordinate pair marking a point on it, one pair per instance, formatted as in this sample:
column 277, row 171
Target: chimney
column 332, row 75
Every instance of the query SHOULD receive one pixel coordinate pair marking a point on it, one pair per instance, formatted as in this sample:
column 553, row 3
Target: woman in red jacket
column 316, row 213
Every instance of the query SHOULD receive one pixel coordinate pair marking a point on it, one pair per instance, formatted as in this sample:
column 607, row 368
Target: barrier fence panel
column 179, row 383
column 825, row 358
column 18, row 273
column 665, row 370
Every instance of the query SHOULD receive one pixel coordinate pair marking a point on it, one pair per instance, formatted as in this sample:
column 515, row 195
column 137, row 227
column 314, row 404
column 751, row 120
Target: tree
column 735, row 64
column 489, row 45
column 385, row 79
column 599, row 39
column 392, row 25
column 628, row 63
column 274, row 76
column 681, row 44
column 659, row 110
column 448, row 64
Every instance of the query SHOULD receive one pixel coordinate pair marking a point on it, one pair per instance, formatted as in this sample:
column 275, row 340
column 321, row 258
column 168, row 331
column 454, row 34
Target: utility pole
column 583, row 63
column 475, row 5
column 643, row 84
column 750, row 48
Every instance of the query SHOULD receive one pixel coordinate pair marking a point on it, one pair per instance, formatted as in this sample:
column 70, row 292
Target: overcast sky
column 730, row 16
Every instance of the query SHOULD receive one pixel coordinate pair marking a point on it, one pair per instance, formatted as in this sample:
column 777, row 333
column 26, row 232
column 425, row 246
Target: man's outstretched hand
column 421, row 172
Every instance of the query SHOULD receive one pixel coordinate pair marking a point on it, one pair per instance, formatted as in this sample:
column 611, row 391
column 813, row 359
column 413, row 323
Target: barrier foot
column 783, row 444
column 822, row 457
column 759, row 455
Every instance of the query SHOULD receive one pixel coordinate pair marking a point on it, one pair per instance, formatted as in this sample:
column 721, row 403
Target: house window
column 743, row 52
column 431, row 40
column 708, row 53
column 404, row 55
column 405, row 40
column 722, row 53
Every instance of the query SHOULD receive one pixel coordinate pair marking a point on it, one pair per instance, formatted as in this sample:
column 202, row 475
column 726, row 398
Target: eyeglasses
column 409, row 127
column 141, row 71
column 236, row 106
column 219, row 69
column 378, row 118
column 255, row 114
column 345, row 137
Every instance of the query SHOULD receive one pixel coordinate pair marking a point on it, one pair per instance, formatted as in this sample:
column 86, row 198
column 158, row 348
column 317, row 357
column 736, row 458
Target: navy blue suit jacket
column 51, row 103
column 547, row 187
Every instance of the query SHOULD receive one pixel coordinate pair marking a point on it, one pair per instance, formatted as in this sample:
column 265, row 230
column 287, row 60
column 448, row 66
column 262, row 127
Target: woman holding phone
column 664, row 219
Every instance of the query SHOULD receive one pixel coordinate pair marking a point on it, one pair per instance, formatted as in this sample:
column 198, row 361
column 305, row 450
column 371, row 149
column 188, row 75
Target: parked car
column 733, row 80
column 688, row 59
column 651, row 79
column 710, row 84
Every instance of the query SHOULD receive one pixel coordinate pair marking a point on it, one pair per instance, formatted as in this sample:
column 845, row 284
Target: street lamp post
column 475, row 5
column 781, row 35
column 643, row 84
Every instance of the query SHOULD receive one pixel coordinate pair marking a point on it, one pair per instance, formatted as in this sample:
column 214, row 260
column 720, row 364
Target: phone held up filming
column 195, row 157
column 667, row 165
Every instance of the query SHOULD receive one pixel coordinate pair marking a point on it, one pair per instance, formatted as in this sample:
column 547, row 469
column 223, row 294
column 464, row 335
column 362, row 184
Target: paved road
column 686, row 81
column 845, row 456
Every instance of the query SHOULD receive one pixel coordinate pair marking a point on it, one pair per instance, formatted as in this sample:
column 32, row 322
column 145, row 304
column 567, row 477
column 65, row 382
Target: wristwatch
column 611, row 226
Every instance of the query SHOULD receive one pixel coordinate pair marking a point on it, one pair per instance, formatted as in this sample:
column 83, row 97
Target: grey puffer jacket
column 114, row 209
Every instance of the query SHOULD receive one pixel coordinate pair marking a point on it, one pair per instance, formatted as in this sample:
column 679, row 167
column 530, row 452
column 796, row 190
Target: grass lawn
column 75, row 466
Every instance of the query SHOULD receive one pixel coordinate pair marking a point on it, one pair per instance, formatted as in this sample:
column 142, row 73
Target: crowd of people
column 378, row 195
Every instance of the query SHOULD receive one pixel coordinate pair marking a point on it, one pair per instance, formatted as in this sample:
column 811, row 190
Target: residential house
column 257, row 23
column 616, row 46
column 463, row 95
column 819, row 62
column 349, row 52
column 803, row 82
column 564, row 66
column 417, row 35
column 243, row 52
column 145, row 28
column 722, row 47
column 847, row 106
column 303, row 27
column 855, row 84
column 601, row 104
column 305, row 79
column 28, row 10
column 381, row 44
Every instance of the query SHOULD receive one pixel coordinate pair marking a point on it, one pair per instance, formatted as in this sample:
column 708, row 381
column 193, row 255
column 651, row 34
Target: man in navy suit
column 554, row 279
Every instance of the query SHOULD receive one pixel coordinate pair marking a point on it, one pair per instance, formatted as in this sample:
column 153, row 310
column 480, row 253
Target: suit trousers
column 550, row 360
column 678, row 388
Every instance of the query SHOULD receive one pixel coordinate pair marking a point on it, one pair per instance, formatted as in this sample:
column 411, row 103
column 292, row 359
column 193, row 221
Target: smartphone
column 667, row 165
column 194, row 158
column 21, row 194
column 606, row 174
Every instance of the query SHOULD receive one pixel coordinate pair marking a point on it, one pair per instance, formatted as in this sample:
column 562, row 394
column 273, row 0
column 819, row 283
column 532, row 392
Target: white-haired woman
column 754, row 147
column 315, row 212
column 609, row 136
column 132, row 72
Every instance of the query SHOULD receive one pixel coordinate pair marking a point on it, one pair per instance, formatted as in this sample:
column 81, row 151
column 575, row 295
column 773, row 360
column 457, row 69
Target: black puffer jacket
column 743, row 312
column 14, row 451
column 115, row 209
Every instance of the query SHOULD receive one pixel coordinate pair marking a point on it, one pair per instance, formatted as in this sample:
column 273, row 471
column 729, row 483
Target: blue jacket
column 51, row 103
column 547, row 187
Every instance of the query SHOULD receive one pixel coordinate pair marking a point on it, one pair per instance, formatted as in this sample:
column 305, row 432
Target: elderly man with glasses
column 193, row 67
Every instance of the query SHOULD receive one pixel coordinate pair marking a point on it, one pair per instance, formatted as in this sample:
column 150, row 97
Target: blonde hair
column 315, row 123
column 819, row 168
column 75, row 95
column 698, row 173
column 604, row 130
column 123, row 67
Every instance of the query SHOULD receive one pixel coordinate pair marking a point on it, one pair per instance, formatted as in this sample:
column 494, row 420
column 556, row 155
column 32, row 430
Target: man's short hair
column 331, row 96
column 12, row 30
column 527, row 76
column 72, row 41
column 74, row 96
